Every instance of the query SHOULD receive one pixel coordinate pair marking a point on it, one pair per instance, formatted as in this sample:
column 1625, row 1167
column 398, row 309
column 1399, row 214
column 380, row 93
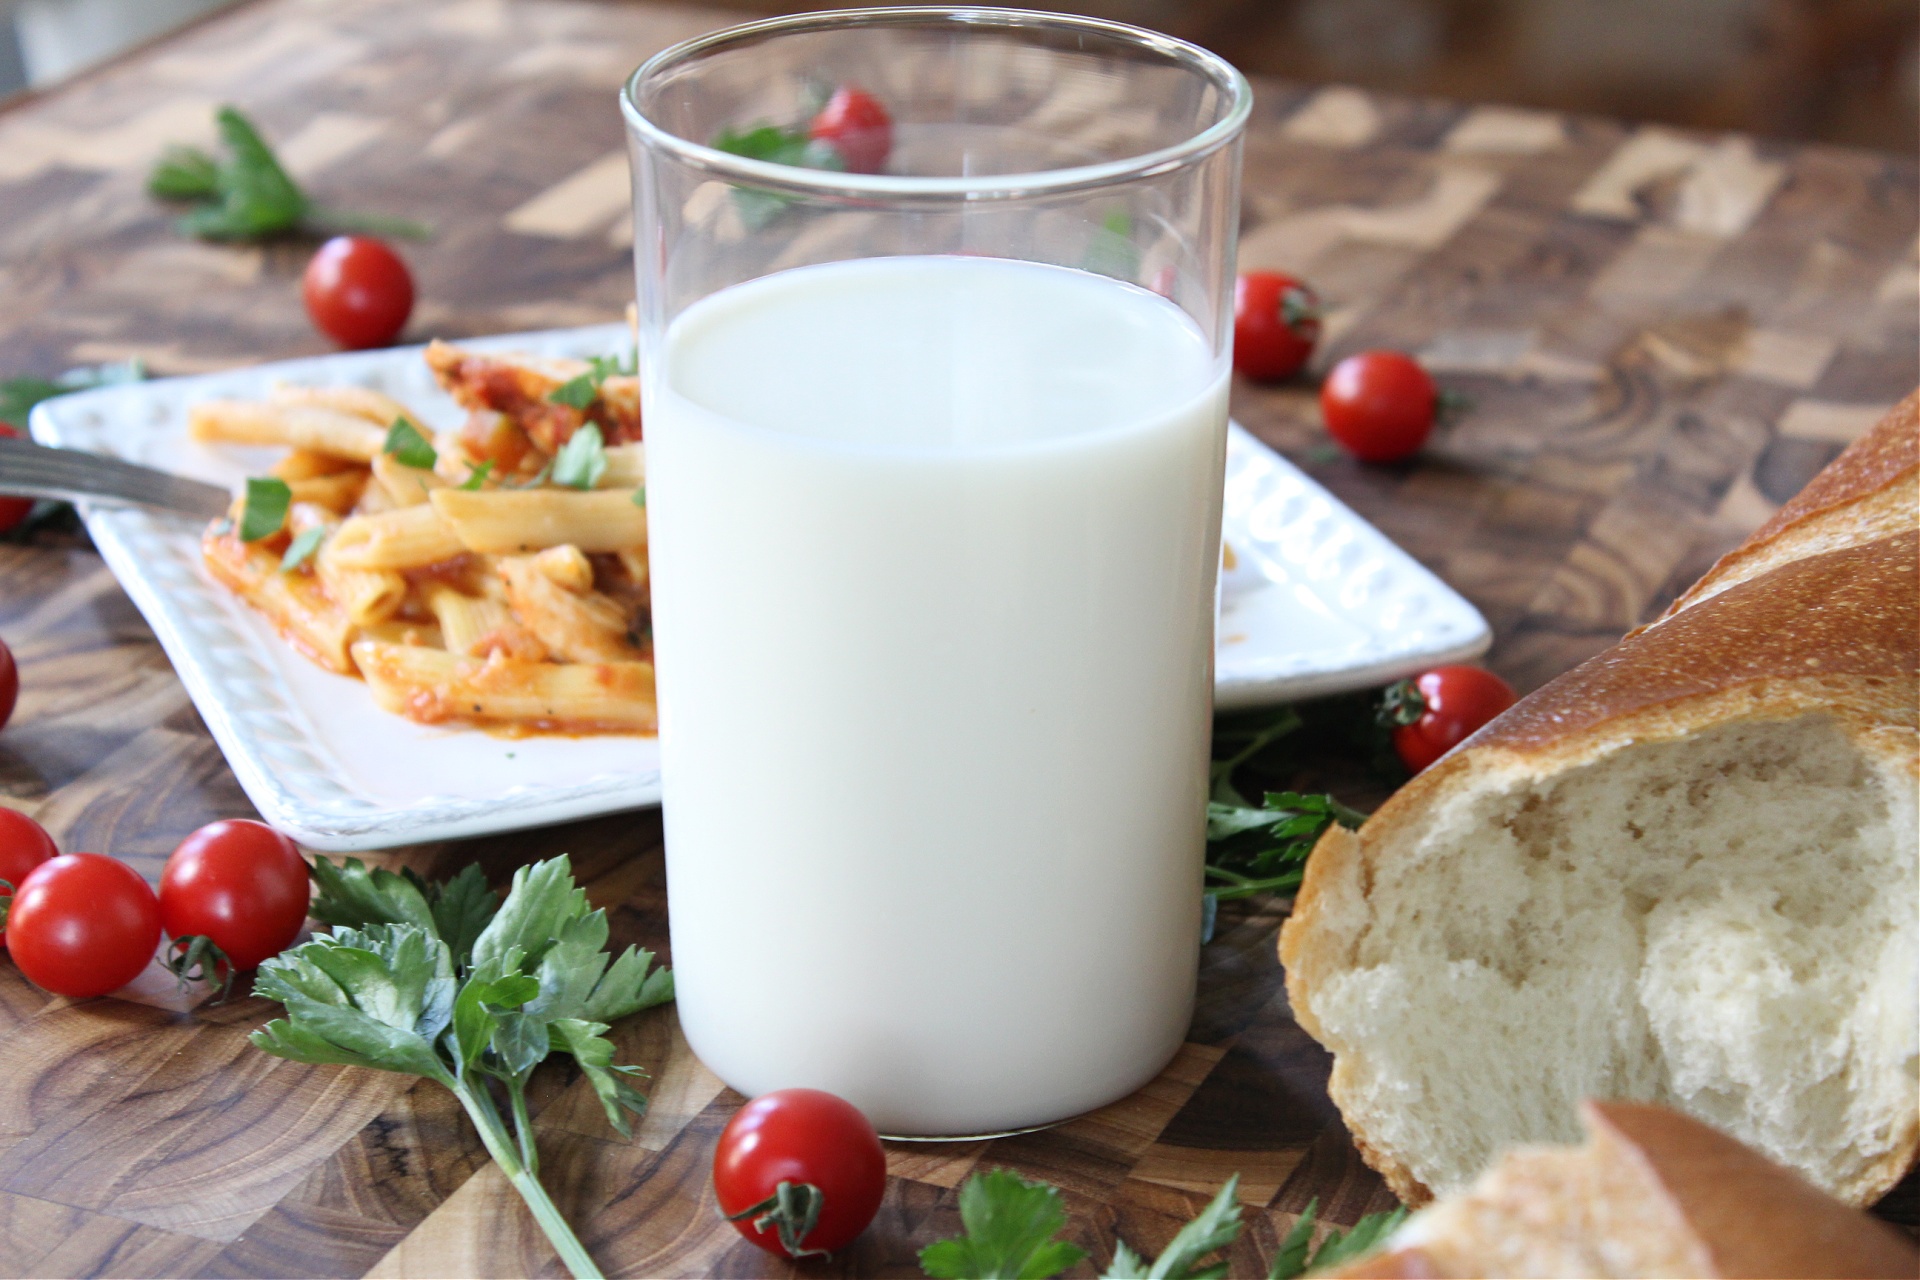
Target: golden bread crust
column 1752, row 1217
column 1657, row 1193
column 1834, row 634
column 1866, row 493
column 1849, row 615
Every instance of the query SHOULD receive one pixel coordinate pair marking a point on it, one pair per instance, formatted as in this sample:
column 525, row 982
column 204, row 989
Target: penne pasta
column 399, row 539
column 295, row 603
column 566, row 566
column 433, row 686
column 467, row 622
column 522, row 520
column 394, row 631
column 579, row 626
column 318, row 430
column 303, row 464
column 626, row 467
column 471, row 590
column 366, row 596
column 405, row 486
column 635, row 565
column 337, row 493
column 362, row 402
column 452, row 461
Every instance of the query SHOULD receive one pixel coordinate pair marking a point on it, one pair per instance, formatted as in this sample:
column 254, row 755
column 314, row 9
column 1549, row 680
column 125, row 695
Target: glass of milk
column 934, row 462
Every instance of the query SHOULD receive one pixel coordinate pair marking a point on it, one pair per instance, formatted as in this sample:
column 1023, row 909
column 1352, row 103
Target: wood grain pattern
column 1664, row 335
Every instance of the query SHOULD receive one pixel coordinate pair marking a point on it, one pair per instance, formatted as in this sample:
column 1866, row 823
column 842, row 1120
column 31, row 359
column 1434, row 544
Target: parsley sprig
column 1264, row 850
column 582, row 390
column 1296, row 1256
column 1011, row 1226
column 1213, row 1231
column 776, row 145
column 1255, row 848
column 451, row 983
column 248, row 195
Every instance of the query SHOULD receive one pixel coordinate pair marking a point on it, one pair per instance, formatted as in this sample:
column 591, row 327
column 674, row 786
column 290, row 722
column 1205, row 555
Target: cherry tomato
column 808, row 1139
column 24, row 845
column 12, row 510
column 358, row 292
column 857, row 126
column 241, row 884
column 83, row 925
column 1379, row 405
column 9, row 684
column 1454, row 702
column 1276, row 321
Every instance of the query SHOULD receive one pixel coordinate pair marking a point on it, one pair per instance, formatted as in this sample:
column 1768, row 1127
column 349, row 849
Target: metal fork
column 35, row 471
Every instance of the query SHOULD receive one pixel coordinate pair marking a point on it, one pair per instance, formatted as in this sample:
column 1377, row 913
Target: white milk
column 932, row 546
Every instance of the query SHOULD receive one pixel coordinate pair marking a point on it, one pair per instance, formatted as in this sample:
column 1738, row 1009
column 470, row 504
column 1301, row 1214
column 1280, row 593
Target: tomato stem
column 506, row 1153
column 793, row 1210
column 1401, row 704
column 198, row 958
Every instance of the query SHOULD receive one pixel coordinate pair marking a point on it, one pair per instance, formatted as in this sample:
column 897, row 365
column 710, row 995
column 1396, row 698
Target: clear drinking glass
column 934, row 462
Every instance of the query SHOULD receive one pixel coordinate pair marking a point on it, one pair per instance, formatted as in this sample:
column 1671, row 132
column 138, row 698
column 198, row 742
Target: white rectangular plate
column 1319, row 601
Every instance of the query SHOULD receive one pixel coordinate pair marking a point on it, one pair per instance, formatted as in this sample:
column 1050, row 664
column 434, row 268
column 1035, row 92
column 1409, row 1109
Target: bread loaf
column 1868, row 493
column 1684, row 873
column 1652, row 1193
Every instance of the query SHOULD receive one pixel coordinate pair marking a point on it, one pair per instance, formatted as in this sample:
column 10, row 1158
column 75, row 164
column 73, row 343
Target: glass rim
column 791, row 179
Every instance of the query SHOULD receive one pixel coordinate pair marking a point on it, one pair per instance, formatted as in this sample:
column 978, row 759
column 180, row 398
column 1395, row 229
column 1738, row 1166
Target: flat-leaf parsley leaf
column 265, row 511
column 409, row 447
column 1010, row 1227
column 303, row 545
column 582, row 460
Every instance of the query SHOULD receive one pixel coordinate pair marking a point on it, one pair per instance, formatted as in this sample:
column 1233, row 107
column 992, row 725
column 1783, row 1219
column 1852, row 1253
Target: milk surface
column 932, row 544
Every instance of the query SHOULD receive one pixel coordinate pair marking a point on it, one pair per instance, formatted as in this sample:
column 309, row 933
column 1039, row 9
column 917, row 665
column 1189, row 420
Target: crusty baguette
column 1865, row 494
column 1684, row 872
column 1651, row 1193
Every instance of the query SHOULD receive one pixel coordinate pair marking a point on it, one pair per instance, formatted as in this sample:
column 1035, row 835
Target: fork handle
column 36, row 471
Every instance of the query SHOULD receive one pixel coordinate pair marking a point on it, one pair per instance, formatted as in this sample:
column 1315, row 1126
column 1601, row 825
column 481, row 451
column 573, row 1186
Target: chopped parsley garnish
column 582, row 460
column 1010, row 1225
column 304, row 545
column 265, row 511
column 409, row 447
column 581, row 391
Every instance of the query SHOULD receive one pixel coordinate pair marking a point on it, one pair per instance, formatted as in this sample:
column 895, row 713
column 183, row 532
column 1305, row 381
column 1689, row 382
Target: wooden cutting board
column 1664, row 335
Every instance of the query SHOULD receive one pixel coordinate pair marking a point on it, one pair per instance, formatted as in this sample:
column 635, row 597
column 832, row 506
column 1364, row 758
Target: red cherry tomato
column 24, row 845
column 241, row 884
column 9, row 684
column 1276, row 321
column 855, row 124
column 1456, row 701
column 12, row 510
column 806, row 1138
column 83, row 925
column 358, row 292
column 1379, row 405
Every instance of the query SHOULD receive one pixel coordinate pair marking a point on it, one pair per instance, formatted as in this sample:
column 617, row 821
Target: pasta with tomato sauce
column 494, row 574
